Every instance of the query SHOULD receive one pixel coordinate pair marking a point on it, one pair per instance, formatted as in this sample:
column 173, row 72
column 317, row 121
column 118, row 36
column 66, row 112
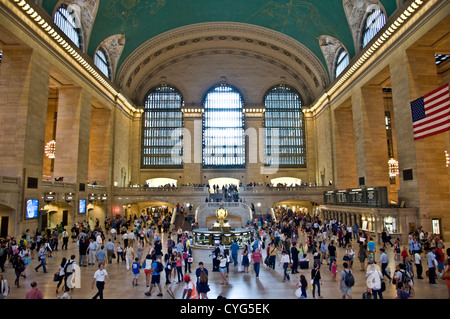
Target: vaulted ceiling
column 155, row 34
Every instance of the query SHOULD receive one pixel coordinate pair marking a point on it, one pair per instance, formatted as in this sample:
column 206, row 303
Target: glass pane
column 223, row 128
column 162, row 123
column 342, row 62
column 375, row 22
column 66, row 22
column 101, row 62
column 284, row 128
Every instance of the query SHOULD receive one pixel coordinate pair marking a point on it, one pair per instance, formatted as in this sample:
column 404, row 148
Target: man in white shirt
column 418, row 262
column 99, row 240
column 131, row 238
column 65, row 239
column 99, row 279
column 113, row 232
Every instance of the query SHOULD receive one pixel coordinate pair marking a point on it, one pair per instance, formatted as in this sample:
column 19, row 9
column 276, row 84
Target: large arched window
column 102, row 62
column 68, row 20
column 342, row 61
column 284, row 128
column 223, row 128
column 373, row 23
column 162, row 124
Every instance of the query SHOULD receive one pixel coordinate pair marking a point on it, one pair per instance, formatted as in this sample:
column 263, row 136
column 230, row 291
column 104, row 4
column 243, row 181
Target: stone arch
column 330, row 47
column 229, row 40
column 356, row 12
column 87, row 11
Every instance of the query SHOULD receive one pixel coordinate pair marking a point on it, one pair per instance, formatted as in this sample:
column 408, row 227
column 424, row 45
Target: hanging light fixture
column 393, row 168
column 50, row 149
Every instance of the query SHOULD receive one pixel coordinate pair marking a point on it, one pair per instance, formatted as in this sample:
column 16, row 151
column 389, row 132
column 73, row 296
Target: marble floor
column 269, row 285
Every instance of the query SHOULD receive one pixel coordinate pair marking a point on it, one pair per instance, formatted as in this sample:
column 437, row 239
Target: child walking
column 136, row 271
column 333, row 271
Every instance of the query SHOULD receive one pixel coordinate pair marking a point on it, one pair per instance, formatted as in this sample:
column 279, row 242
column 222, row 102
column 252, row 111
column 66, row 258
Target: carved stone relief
column 85, row 11
column 114, row 46
column 356, row 10
column 330, row 46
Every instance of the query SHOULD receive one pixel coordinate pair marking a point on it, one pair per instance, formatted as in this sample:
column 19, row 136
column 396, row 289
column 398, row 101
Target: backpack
column 349, row 280
column 159, row 267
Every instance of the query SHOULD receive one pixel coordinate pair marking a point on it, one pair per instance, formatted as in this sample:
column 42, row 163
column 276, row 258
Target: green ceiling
column 141, row 20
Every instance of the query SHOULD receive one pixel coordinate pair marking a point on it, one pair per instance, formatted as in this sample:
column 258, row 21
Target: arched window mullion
column 67, row 23
column 342, row 61
column 162, row 123
column 372, row 24
column 223, row 128
column 102, row 62
column 283, row 125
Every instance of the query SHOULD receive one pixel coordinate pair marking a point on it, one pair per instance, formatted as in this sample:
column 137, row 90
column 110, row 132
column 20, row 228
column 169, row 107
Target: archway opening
column 223, row 181
column 161, row 182
column 286, row 181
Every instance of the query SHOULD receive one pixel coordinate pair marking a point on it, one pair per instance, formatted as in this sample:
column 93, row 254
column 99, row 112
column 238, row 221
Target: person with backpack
column 59, row 276
column 157, row 268
column 347, row 282
column 69, row 270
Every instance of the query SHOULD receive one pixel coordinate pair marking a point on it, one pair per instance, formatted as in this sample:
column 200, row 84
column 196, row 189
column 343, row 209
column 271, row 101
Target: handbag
column 56, row 276
column 346, row 258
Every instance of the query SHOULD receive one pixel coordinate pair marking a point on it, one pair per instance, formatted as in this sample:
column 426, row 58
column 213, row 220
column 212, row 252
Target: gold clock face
column 221, row 213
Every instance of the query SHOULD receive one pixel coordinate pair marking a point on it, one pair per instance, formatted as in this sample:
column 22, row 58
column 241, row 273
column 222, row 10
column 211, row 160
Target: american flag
column 431, row 113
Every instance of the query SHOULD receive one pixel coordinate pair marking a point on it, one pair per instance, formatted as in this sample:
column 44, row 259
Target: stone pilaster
column 72, row 135
column 24, row 80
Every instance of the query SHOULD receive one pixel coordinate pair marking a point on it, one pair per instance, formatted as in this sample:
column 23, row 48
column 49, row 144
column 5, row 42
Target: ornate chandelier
column 393, row 168
column 50, row 149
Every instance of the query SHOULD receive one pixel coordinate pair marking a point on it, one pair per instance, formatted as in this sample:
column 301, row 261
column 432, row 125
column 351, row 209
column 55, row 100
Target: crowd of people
column 298, row 243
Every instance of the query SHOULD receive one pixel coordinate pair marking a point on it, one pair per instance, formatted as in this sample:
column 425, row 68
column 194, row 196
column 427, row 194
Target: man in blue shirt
column 101, row 255
column 384, row 260
column 109, row 247
column 156, row 277
column 432, row 263
column 234, row 252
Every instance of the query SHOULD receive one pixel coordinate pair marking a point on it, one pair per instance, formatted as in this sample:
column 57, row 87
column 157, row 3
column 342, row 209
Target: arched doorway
column 223, row 181
column 161, row 182
column 286, row 181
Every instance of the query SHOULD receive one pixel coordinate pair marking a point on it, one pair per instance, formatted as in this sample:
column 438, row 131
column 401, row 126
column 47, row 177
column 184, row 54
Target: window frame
column 157, row 134
column 299, row 137
column 338, row 61
column 64, row 14
column 365, row 27
column 241, row 117
column 105, row 63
